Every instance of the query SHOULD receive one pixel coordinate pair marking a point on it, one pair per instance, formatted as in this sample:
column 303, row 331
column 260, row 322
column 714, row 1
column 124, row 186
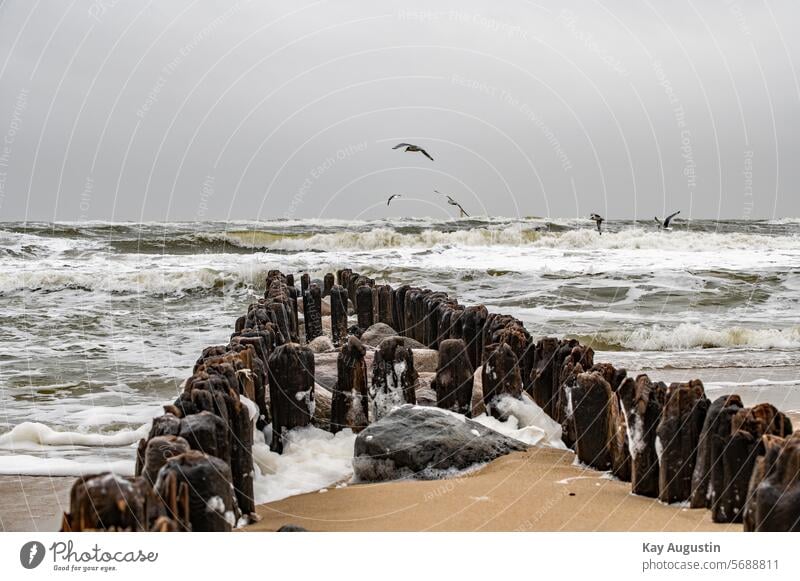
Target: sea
column 100, row 322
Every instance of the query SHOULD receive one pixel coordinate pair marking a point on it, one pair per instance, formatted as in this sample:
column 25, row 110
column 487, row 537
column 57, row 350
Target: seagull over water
column 599, row 219
column 452, row 202
column 392, row 197
column 413, row 148
column 665, row 224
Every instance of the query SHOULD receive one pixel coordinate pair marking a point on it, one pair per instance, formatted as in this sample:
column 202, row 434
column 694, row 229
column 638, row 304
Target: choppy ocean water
column 101, row 322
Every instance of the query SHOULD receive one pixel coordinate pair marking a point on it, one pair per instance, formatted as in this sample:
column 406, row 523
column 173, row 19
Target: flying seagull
column 452, row 202
column 599, row 219
column 392, row 197
column 665, row 224
column 412, row 148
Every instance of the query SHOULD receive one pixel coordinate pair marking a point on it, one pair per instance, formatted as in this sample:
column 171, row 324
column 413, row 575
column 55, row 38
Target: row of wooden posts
column 195, row 469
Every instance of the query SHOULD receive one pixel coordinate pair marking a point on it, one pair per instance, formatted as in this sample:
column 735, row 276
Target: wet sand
column 33, row 503
column 537, row 490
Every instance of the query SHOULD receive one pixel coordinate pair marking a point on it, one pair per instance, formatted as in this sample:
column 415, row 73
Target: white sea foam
column 311, row 459
column 35, row 436
column 526, row 422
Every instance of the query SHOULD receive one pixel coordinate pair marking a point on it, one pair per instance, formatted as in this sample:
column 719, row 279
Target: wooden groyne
column 195, row 469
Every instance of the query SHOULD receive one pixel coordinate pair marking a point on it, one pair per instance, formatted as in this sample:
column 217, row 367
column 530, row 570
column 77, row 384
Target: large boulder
column 425, row 443
column 377, row 333
column 321, row 344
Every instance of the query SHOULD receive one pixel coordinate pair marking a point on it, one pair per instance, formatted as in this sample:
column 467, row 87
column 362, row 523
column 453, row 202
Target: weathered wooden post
column 619, row 448
column 591, row 399
column 394, row 378
column 431, row 318
column 338, row 314
column 410, row 321
column 386, row 306
column 305, row 282
column 542, row 373
column 107, row 502
column 312, row 314
column 350, row 401
column 364, row 308
column 500, row 377
column 207, row 433
column 677, row 437
column 454, row 377
column 157, row 451
column 472, row 322
column 400, row 309
column 748, row 426
column 774, row 492
column 208, row 483
column 291, row 389
column 327, row 284
column 716, row 430
column 641, row 402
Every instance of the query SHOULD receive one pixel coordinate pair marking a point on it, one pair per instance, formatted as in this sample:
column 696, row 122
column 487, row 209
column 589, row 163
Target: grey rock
column 321, row 344
column 377, row 333
column 407, row 342
column 425, row 443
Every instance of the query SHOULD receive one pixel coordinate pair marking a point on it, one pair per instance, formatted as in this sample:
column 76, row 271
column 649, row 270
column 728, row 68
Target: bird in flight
column 413, row 148
column 665, row 225
column 392, row 197
column 599, row 220
column 452, row 202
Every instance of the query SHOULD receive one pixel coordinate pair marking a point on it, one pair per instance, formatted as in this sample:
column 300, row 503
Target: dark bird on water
column 392, row 197
column 413, row 148
column 452, row 202
column 665, row 224
column 599, row 220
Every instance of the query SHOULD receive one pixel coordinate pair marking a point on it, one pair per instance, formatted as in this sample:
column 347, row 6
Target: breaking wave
column 693, row 336
column 148, row 281
column 510, row 235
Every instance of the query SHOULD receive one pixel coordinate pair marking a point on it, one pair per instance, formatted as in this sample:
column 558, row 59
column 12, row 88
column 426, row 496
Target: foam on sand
column 26, row 465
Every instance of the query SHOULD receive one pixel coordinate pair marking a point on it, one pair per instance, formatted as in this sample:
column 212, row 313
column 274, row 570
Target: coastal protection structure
column 195, row 469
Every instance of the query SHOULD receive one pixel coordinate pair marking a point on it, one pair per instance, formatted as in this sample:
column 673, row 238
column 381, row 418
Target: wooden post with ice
column 350, row 401
column 394, row 378
column 641, row 401
column 291, row 390
column 500, row 377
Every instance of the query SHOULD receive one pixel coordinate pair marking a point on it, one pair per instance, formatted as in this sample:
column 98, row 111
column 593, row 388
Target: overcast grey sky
column 187, row 110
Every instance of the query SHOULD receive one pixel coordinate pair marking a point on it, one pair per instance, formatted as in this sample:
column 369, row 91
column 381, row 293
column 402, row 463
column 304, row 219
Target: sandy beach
column 537, row 490
column 33, row 503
